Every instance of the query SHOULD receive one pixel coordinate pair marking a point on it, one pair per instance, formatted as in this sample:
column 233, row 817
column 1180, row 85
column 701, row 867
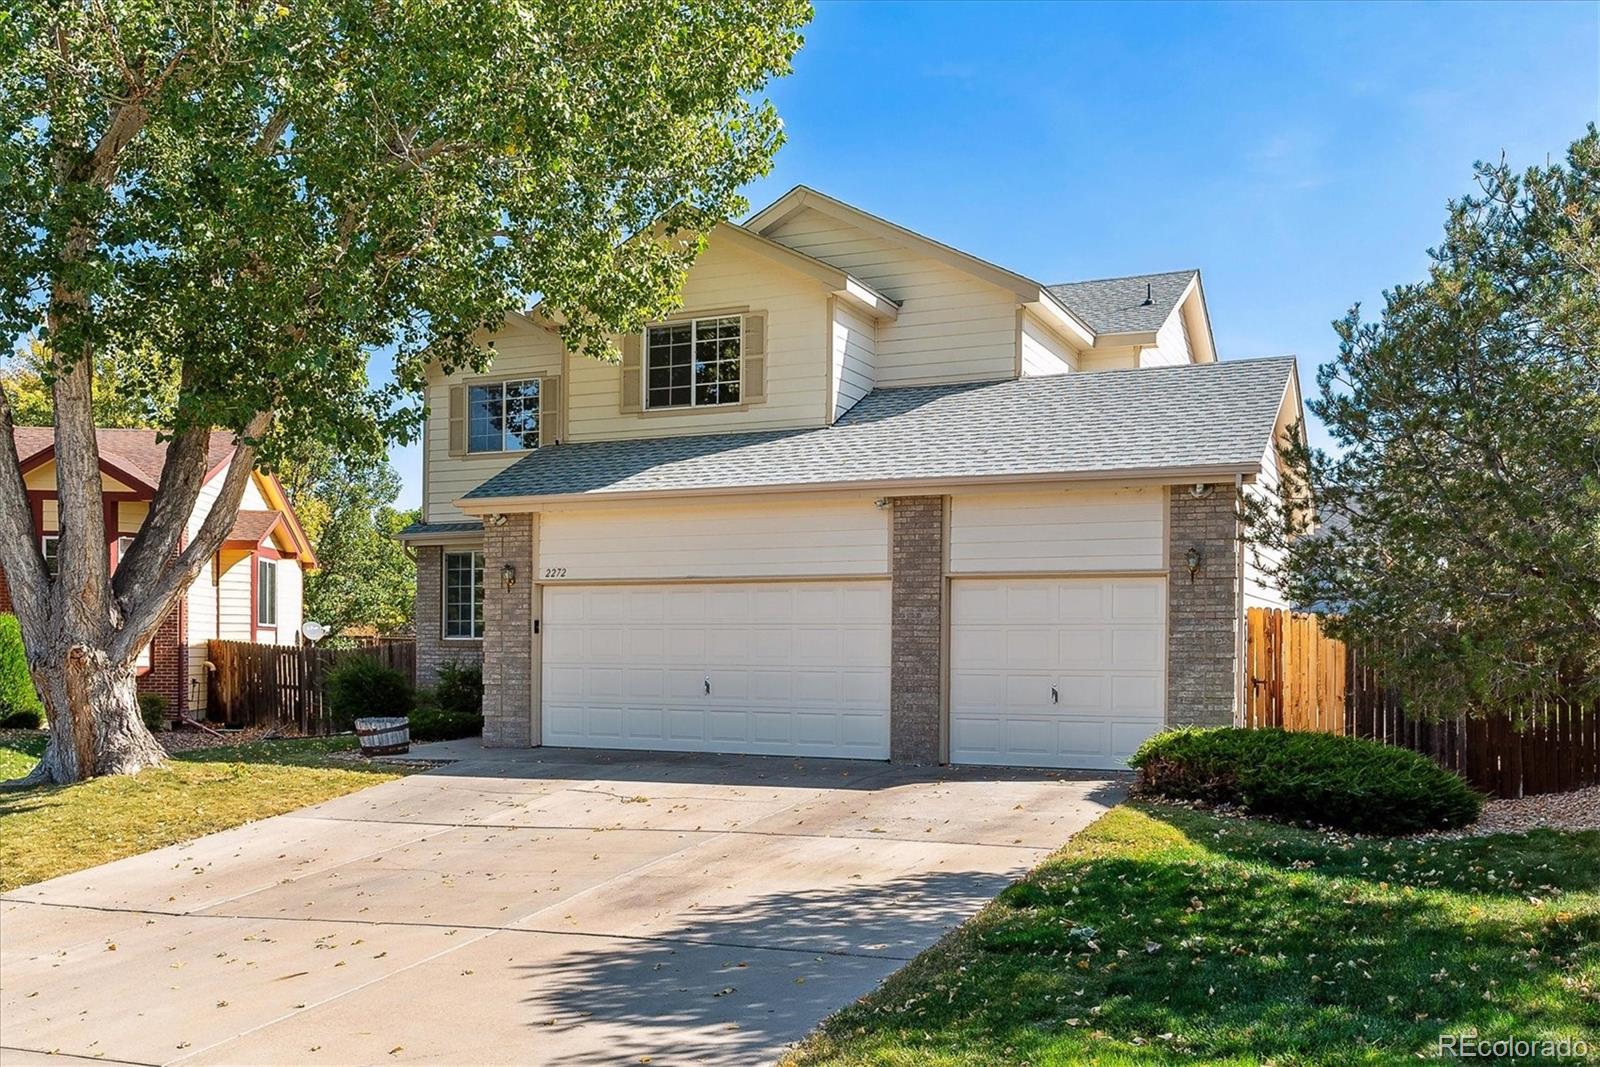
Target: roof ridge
column 1126, row 277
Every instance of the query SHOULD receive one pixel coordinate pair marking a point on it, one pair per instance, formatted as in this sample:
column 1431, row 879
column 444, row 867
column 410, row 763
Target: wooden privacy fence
column 1300, row 679
column 284, row 685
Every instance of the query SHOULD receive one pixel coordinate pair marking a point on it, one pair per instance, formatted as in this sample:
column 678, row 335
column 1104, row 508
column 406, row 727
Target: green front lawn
column 1160, row 934
column 52, row 831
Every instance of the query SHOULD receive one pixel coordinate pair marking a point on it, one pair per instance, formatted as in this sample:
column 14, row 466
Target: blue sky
column 1299, row 154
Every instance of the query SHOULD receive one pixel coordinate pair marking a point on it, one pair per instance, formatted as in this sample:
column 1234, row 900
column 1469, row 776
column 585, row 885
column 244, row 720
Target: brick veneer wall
column 432, row 649
column 1203, row 643
column 916, row 633
column 508, row 633
column 169, row 664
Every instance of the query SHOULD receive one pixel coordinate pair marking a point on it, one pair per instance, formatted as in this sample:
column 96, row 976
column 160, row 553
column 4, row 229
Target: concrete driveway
column 548, row 906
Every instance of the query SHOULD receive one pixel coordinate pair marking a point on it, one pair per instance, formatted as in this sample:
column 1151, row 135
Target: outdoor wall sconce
column 1192, row 559
column 508, row 575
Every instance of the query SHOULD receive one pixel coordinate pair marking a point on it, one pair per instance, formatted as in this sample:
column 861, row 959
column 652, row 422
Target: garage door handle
column 1055, row 695
column 708, row 687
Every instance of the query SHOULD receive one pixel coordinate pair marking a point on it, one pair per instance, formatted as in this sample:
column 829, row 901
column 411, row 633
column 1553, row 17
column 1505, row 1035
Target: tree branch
column 20, row 553
column 144, row 617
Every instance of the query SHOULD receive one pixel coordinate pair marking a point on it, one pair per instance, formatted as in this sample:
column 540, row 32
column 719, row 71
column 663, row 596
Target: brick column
column 916, row 637
column 1203, row 643
column 432, row 649
column 508, row 682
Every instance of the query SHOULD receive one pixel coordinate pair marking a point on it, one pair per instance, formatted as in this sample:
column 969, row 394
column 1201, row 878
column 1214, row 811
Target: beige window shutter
column 753, row 387
column 549, row 412
column 632, row 373
column 458, row 420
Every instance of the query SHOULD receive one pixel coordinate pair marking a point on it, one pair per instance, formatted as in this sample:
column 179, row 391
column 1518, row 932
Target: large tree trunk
column 95, row 725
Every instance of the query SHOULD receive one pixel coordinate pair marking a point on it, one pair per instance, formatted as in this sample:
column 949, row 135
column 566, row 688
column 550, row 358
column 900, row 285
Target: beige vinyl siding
column 250, row 500
column 1124, row 357
column 131, row 514
column 44, row 477
column 1172, row 345
column 521, row 348
column 200, row 619
column 715, row 540
column 855, row 370
column 291, row 602
column 1061, row 531
column 234, row 606
column 952, row 327
column 798, row 359
column 1261, row 589
column 1042, row 351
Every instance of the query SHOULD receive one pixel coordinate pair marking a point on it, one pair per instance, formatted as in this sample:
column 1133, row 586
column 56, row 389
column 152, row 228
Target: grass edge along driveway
column 1160, row 934
column 56, row 830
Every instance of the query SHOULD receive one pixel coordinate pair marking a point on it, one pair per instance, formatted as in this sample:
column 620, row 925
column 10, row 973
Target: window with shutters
column 503, row 416
column 693, row 364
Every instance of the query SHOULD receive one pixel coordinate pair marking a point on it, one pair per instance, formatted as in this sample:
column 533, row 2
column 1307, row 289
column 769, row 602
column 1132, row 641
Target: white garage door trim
column 1056, row 672
column 793, row 668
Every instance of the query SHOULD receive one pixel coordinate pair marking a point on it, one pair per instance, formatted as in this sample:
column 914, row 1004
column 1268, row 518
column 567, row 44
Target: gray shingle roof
column 1117, row 305
column 1200, row 416
column 424, row 529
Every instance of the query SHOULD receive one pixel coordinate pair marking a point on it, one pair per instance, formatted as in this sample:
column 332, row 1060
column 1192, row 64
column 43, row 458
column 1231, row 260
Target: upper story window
column 693, row 364
column 266, row 592
column 50, row 545
column 503, row 416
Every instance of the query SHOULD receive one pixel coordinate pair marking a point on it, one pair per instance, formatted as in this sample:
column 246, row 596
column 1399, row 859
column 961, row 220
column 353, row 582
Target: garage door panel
column 1139, row 649
column 1139, row 695
column 794, row 668
column 1137, row 600
column 1100, row 642
column 1079, row 648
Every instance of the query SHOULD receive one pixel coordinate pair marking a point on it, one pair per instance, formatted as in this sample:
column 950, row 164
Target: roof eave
column 491, row 505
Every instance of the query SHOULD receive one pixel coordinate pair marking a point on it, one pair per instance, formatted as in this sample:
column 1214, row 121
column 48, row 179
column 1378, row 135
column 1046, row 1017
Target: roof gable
column 134, row 457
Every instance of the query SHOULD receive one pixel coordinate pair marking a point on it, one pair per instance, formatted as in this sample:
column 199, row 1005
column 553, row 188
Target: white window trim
column 694, row 340
column 271, row 566
column 49, row 539
column 444, row 595
column 501, row 384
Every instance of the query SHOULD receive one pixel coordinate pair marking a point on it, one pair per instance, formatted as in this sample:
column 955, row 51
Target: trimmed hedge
column 20, row 706
column 1346, row 783
column 360, row 686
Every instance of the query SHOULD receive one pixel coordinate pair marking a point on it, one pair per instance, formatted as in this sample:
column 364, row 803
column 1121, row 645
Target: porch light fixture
column 1191, row 559
column 508, row 575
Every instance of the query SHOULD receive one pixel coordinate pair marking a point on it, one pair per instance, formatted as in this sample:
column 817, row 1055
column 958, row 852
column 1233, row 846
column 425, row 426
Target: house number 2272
column 555, row 572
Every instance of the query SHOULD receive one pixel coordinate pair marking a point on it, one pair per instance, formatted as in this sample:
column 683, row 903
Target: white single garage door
column 1050, row 672
column 777, row 668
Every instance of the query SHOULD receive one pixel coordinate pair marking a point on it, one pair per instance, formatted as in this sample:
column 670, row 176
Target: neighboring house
column 865, row 496
column 250, row 592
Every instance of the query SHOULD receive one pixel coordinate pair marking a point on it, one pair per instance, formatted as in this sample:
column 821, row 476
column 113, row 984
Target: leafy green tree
column 266, row 193
column 364, row 576
column 1459, row 534
column 132, row 388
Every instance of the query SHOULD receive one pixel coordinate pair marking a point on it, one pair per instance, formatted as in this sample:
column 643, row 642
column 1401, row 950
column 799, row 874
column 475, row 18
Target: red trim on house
column 39, row 459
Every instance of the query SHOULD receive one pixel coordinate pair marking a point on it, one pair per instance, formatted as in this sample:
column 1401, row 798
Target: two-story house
column 250, row 592
column 864, row 496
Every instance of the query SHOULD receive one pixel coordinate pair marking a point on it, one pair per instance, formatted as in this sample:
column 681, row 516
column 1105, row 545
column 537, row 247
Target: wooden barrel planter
column 384, row 737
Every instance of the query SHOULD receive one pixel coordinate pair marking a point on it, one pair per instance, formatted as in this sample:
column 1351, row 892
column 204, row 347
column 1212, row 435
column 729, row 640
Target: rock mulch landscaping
column 1577, row 810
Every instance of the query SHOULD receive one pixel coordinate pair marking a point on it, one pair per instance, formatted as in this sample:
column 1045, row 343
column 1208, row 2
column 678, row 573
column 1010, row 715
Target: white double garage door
column 1047, row 672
